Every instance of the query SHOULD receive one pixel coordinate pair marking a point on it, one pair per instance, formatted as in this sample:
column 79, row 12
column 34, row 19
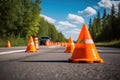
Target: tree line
column 48, row 29
column 107, row 27
column 22, row 18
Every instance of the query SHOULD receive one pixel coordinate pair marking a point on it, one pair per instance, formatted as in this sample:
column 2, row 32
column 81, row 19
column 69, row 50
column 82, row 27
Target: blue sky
column 69, row 15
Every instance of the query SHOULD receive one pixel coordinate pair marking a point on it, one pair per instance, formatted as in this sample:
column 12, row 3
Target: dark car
column 44, row 39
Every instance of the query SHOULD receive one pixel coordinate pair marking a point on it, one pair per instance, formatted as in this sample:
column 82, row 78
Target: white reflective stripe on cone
column 36, row 44
column 94, row 54
column 32, row 43
column 72, row 43
column 89, row 41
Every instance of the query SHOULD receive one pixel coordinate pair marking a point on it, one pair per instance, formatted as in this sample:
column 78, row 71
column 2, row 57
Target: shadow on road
column 109, row 52
column 55, row 61
column 61, row 61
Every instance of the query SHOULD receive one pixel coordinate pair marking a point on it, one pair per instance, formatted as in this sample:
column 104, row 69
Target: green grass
column 13, row 41
column 115, row 43
column 16, row 42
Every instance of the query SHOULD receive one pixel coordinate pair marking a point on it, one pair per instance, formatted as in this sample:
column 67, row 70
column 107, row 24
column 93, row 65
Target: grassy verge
column 13, row 41
column 115, row 43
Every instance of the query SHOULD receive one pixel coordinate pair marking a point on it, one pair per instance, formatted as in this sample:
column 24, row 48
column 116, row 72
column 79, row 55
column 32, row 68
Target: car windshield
column 44, row 37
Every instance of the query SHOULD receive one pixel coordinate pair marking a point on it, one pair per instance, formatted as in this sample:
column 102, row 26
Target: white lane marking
column 11, row 52
column 100, row 50
column 54, row 46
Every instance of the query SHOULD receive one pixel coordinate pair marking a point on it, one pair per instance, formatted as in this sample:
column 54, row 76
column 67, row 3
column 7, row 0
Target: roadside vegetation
column 115, row 43
column 20, row 19
column 105, row 30
column 15, row 41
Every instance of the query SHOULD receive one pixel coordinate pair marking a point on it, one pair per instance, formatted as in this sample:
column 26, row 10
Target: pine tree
column 118, row 24
column 113, row 22
column 90, row 23
column 93, row 30
column 104, row 14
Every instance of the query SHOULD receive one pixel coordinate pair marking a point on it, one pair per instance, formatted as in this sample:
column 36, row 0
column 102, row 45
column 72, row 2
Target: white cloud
column 66, row 23
column 96, row 7
column 105, row 3
column 89, row 11
column 116, row 3
column 108, row 3
column 68, row 29
column 73, row 33
column 49, row 19
column 61, row 28
column 75, row 18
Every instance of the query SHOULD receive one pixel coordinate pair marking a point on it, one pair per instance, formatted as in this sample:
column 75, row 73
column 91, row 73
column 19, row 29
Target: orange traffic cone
column 65, row 44
column 47, row 43
column 8, row 44
column 36, row 42
column 85, row 50
column 31, row 46
column 70, row 45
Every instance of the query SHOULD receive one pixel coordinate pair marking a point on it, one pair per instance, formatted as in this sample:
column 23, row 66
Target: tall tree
column 19, row 17
column 117, row 23
column 113, row 22
column 110, row 29
column 9, row 14
column 104, row 14
column 31, row 17
column 98, row 24
column 43, row 28
column 119, row 10
column 90, row 22
column 52, row 32
column 93, row 29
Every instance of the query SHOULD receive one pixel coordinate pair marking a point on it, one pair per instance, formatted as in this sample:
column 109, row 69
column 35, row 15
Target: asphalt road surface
column 51, row 63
